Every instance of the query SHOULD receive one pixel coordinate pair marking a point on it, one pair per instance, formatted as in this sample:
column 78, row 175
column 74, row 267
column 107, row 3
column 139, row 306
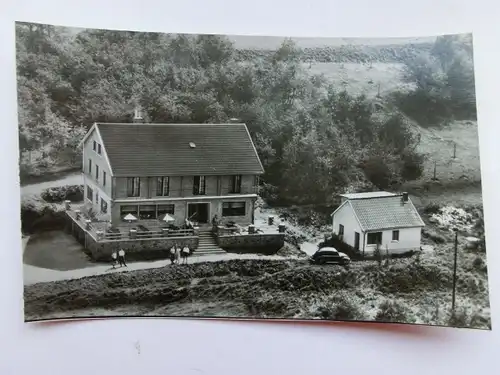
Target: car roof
column 328, row 249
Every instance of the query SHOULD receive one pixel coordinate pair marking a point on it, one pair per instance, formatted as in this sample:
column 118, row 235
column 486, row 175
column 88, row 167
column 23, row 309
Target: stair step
column 202, row 253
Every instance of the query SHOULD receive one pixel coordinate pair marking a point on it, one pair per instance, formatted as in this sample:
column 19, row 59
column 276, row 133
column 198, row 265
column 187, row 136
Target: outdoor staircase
column 207, row 244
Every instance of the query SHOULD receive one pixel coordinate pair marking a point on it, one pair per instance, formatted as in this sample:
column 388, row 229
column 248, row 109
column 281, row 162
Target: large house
column 391, row 221
column 190, row 171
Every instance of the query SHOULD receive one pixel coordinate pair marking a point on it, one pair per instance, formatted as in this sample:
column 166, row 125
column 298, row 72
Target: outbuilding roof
column 385, row 212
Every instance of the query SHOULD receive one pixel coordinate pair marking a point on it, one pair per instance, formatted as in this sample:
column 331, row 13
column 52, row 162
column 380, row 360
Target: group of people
column 176, row 253
column 118, row 257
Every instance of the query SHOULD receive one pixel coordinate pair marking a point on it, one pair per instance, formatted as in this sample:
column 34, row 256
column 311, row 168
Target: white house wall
column 345, row 216
column 409, row 239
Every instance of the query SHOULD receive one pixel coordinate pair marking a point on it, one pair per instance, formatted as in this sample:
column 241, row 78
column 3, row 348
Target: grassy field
column 359, row 79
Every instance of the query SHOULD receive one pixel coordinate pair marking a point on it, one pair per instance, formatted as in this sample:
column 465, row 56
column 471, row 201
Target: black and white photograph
column 177, row 175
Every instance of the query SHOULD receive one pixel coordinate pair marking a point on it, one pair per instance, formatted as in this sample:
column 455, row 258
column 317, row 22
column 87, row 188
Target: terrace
column 102, row 231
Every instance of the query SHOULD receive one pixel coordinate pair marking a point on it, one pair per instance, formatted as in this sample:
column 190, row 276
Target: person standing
column 177, row 254
column 121, row 258
column 114, row 256
column 185, row 254
column 172, row 253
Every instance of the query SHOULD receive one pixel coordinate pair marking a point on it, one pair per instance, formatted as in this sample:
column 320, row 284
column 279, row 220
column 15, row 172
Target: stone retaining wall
column 252, row 243
column 143, row 249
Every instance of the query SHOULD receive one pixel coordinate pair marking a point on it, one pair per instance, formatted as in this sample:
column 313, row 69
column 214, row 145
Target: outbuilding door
column 356, row 240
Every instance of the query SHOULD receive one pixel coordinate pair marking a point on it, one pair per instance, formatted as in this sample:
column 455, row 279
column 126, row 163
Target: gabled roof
column 140, row 150
column 385, row 212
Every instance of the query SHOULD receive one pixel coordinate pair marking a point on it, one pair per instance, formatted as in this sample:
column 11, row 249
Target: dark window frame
column 395, row 235
column 103, row 178
column 163, row 186
column 341, row 230
column 104, row 206
column 99, row 149
column 229, row 211
column 199, row 185
column 170, row 210
column 150, row 216
column 94, row 146
column 135, row 212
column 90, row 192
column 133, row 186
column 90, row 166
column 235, row 186
column 97, row 173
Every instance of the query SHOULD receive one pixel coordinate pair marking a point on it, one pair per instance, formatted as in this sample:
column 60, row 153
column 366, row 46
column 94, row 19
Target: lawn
column 364, row 79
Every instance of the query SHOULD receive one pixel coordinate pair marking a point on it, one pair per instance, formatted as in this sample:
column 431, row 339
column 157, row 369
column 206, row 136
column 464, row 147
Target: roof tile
column 167, row 150
column 385, row 213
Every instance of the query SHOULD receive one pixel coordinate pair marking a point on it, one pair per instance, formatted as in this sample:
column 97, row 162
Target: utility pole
column 454, row 271
column 454, row 150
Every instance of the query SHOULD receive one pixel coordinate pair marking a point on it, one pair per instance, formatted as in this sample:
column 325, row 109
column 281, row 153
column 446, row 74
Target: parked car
column 329, row 255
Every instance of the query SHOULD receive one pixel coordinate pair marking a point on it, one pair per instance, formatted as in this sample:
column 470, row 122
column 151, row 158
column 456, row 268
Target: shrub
column 432, row 208
column 34, row 219
column 478, row 264
column 342, row 309
column 395, row 312
column 73, row 193
column 377, row 172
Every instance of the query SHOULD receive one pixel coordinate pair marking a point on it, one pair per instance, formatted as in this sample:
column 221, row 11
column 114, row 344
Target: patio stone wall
column 252, row 243
column 141, row 249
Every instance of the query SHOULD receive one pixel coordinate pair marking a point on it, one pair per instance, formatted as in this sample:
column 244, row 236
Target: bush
column 34, row 219
column 432, row 208
column 73, row 193
column 377, row 172
column 342, row 309
column 413, row 166
column 394, row 312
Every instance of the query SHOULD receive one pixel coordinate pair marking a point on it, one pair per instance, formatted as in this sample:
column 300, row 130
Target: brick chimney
column 138, row 115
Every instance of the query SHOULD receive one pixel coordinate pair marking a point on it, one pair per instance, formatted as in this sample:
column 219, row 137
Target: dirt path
column 34, row 275
column 74, row 178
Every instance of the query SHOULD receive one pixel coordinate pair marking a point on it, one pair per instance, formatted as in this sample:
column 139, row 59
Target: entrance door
column 198, row 212
column 356, row 240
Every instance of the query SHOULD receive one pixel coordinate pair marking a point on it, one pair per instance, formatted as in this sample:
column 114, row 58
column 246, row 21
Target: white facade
column 406, row 239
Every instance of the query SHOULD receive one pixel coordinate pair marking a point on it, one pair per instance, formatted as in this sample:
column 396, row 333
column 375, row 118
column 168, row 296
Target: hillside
column 395, row 53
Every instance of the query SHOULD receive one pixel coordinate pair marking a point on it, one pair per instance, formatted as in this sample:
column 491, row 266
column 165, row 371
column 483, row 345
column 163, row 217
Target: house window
column 341, row 230
column 97, row 173
column 199, row 185
column 125, row 210
column 133, row 187
column 163, row 209
column 147, row 212
column 99, row 149
column 90, row 194
column 97, row 197
column 95, row 146
column 162, row 186
column 395, row 235
column 104, row 206
column 374, row 238
column 103, row 178
column 233, row 209
column 90, row 166
column 235, row 187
